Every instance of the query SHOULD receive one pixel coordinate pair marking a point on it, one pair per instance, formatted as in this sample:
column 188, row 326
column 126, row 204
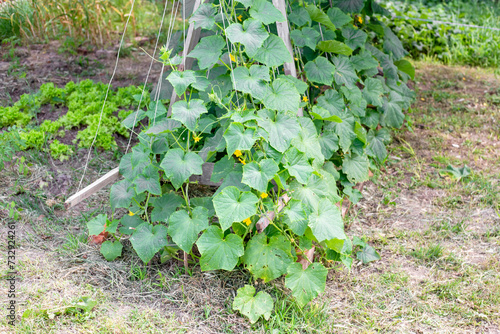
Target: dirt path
column 439, row 239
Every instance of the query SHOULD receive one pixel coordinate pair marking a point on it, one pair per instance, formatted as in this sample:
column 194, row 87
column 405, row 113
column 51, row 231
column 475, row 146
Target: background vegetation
column 448, row 43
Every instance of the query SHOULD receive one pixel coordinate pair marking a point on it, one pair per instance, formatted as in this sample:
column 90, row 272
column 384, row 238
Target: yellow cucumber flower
column 238, row 153
column 196, row 139
column 305, row 99
column 240, row 17
column 130, row 213
column 264, row 195
column 247, row 221
column 232, row 57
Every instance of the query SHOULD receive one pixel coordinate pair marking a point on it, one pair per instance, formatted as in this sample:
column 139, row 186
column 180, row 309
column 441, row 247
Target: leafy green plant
column 276, row 211
column 455, row 173
column 11, row 143
column 448, row 43
column 85, row 102
column 60, row 151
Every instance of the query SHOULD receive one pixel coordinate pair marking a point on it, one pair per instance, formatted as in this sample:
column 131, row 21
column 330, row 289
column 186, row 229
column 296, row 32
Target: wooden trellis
column 192, row 39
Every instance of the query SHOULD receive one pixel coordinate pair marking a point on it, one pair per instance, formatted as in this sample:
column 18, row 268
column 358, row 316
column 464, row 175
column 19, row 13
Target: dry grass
column 439, row 241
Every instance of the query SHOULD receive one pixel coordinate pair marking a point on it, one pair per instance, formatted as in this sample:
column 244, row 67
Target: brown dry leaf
column 99, row 239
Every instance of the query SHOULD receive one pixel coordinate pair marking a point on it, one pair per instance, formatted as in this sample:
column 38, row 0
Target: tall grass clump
column 96, row 22
column 14, row 18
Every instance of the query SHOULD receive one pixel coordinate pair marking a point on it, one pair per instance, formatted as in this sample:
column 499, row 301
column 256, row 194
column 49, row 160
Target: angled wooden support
column 192, row 38
column 108, row 178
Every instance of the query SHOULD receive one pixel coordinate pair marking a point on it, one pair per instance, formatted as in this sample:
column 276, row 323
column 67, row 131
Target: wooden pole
column 192, row 38
column 284, row 34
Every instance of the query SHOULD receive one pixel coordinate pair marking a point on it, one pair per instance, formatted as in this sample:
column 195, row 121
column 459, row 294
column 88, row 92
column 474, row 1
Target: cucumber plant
column 238, row 110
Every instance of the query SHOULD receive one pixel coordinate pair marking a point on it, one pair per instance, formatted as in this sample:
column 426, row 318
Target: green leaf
column 393, row 113
column 111, row 249
column 231, row 206
column 147, row 240
column 335, row 47
column 273, row 52
column 129, row 223
column 345, row 132
column 251, row 81
column 148, row 180
column 306, row 284
column 179, row 166
column 283, row 96
column 368, row 254
column 181, row 80
column 354, row 38
column 344, row 71
column 295, row 217
column 97, row 225
column 307, row 141
column 320, row 71
column 258, row 175
column 297, row 165
column 349, row 6
column 376, row 144
column 392, row 44
column 252, row 34
column 233, row 179
column 357, row 104
column 265, row 12
column 207, row 51
column 221, row 168
column 188, row 112
column 338, row 17
column 184, row 229
column 267, row 259
column 360, row 132
column 239, row 138
column 166, row 125
column 299, row 16
column 326, row 221
column 121, row 194
column 356, row 167
column 406, row 67
column 300, row 85
column 218, row 252
column 204, row 16
column 281, row 128
column 164, row 206
column 373, row 91
column 323, row 114
column 333, row 102
column 253, row 306
column 205, row 202
column 329, row 143
column 364, row 61
column 455, row 173
column 305, row 37
column 319, row 16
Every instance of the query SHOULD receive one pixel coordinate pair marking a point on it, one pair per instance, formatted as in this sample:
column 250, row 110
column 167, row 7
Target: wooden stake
column 108, row 178
column 192, row 38
column 284, row 34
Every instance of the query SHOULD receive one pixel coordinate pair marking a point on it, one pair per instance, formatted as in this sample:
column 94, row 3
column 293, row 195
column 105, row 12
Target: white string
column 106, row 96
column 147, row 77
